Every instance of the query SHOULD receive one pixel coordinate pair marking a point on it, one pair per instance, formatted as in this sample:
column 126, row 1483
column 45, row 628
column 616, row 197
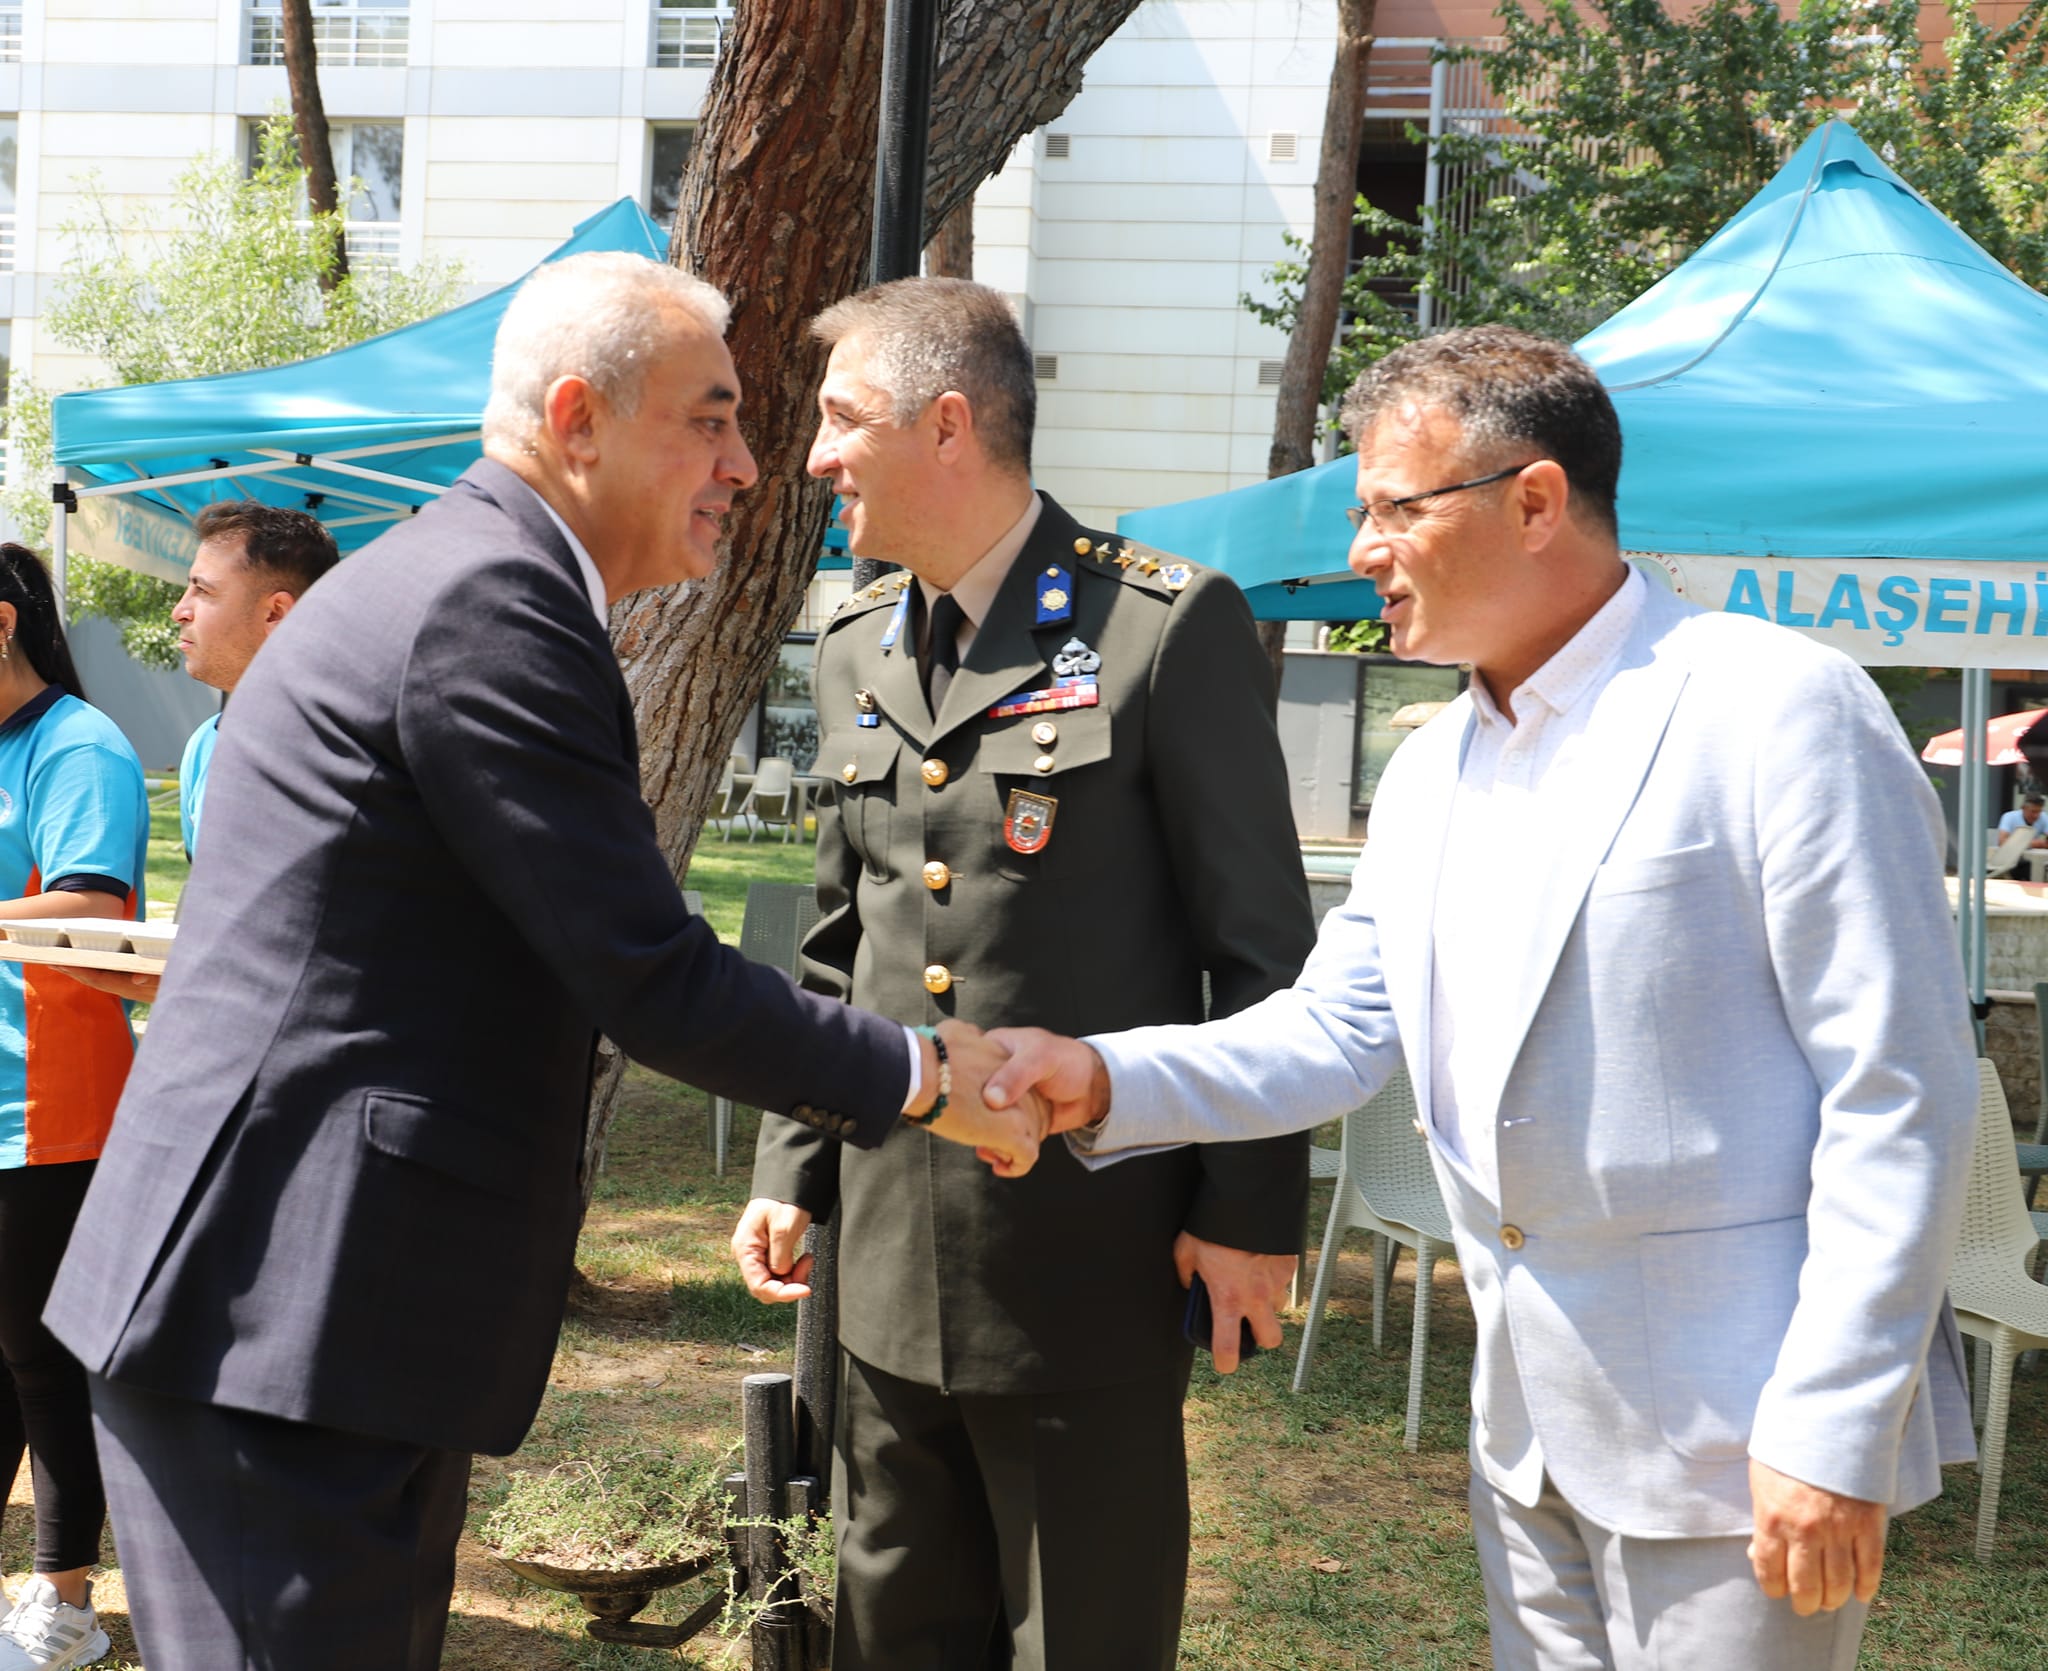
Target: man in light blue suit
column 1697, row 1077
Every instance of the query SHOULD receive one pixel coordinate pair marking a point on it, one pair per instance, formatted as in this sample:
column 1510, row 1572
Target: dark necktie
column 942, row 648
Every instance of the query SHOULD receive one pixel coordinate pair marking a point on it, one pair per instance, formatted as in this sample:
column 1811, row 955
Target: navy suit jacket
column 342, row 1186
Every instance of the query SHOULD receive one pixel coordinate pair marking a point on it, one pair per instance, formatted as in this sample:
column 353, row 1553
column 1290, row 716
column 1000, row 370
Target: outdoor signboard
column 1881, row 612
column 131, row 532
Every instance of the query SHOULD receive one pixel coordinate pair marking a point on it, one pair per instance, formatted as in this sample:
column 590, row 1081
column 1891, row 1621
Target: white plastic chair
column 1997, row 1302
column 2005, row 859
column 725, row 802
column 1385, row 1184
column 775, row 799
column 779, row 916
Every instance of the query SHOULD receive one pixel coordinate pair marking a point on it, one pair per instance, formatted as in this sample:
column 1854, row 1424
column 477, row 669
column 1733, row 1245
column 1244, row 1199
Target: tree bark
column 950, row 254
column 309, row 122
column 1322, row 290
column 777, row 211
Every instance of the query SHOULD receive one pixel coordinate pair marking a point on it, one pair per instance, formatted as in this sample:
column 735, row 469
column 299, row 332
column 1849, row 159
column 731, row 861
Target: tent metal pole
column 1974, row 811
column 60, row 547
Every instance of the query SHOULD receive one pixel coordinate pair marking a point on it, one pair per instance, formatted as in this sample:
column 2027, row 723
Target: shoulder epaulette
column 885, row 590
column 1137, row 565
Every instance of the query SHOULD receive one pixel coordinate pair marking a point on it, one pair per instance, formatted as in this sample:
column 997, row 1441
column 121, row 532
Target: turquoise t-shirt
column 72, row 804
column 192, row 780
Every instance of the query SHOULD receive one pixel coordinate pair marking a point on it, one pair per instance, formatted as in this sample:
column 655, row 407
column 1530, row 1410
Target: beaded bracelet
column 938, row 1107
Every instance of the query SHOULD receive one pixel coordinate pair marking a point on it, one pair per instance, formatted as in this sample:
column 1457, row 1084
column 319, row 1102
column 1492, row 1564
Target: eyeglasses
column 1390, row 516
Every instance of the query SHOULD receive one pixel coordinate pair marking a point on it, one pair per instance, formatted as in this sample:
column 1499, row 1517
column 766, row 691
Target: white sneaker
column 41, row 1633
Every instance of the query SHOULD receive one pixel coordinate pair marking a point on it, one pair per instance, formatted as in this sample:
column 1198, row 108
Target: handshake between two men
column 1010, row 1090
column 1006, row 1092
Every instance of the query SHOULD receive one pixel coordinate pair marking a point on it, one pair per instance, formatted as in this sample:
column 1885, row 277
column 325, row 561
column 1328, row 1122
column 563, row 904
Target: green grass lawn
column 720, row 870
column 168, row 866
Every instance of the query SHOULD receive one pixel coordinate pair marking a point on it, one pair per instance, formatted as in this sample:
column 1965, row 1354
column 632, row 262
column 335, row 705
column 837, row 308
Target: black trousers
column 44, row 1405
column 1036, row 1532
column 254, row 1544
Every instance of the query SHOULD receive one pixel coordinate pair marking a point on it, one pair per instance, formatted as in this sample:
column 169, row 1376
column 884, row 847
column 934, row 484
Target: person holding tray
column 74, row 829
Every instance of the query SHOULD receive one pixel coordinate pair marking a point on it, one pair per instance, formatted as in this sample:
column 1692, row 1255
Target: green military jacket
column 1079, row 867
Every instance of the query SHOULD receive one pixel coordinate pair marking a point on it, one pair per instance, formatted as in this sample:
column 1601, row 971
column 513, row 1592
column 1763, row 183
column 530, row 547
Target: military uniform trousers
column 1010, row 1531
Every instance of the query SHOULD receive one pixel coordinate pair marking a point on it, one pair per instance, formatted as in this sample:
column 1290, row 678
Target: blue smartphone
column 1199, row 1324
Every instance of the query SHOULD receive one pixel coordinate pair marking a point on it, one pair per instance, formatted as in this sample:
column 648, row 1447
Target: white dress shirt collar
column 1577, row 670
column 593, row 582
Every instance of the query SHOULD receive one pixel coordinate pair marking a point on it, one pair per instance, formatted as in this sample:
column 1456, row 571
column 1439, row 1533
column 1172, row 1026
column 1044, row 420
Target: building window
column 372, row 156
column 10, row 34
column 10, row 127
column 668, row 153
column 688, row 33
column 347, row 34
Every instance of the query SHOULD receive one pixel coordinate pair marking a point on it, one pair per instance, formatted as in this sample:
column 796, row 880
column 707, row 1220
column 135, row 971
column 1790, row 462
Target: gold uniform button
column 849, row 771
column 1044, row 763
column 934, row 772
column 937, row 874
column 1045, row 733
column 1511, row 1238
column 1083, row 547
column 937, row 978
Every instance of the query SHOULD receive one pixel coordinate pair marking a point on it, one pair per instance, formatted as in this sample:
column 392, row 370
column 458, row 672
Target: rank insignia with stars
column 1055, row 596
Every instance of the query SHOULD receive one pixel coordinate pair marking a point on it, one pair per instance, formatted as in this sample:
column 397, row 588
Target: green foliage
column 1632, row 136
column 231, row 283
column 613, row 1511
column 1364, row 636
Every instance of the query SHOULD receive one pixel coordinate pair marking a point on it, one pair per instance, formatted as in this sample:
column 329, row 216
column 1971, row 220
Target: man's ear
column 1541, row 500
column 952, row 421
column 570, row 411
column 275, row 608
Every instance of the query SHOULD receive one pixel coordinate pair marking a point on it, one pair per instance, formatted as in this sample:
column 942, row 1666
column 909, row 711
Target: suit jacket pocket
column 1641, row 873
column 1716, row 1305
column 453, row 1141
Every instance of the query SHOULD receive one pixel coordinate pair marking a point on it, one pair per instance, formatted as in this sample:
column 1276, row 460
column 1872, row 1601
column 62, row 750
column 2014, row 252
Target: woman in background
column 74, row 831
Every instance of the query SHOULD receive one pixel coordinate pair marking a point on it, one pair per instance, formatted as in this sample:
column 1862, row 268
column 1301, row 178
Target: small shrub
column 615, row 1512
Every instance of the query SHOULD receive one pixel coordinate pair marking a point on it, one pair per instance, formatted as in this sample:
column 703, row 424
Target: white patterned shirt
column 1481, row 892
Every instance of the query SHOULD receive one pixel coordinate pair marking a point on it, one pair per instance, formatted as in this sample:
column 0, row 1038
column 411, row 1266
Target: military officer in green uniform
column 1060, row 800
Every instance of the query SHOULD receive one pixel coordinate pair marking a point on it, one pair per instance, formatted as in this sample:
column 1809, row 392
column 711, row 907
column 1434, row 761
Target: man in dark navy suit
column 325, row 1255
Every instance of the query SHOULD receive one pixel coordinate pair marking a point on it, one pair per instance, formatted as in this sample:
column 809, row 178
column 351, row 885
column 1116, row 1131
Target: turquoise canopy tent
column 361, row 437
column 1835, row 415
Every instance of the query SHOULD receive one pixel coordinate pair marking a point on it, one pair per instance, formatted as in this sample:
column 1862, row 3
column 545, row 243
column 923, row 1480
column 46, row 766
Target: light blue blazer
column 1735, row 1132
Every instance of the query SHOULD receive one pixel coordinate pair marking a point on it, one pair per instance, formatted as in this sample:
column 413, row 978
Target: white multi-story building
column 483, row 131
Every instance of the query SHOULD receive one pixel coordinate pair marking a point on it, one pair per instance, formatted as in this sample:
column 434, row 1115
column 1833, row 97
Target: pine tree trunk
column 777, row 211
column 950, row 254
column 309, row 122
column 1308, row 349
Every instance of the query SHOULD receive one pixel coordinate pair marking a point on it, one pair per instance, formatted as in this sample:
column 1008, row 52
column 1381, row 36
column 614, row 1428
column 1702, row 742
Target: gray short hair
column 925, row 336
column 1511, row 392
column 601, row 316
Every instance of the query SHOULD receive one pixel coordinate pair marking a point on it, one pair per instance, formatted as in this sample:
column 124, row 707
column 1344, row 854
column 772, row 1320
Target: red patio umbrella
column 2001, row 741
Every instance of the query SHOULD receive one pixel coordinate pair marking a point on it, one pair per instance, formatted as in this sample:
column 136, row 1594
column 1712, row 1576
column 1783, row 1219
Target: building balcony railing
column 10, row 35
column 373, row 243
column 7, row 242
column 344, row 37
column 688, row 33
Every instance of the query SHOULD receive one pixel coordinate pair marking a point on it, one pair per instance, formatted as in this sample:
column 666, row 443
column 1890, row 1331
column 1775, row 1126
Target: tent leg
column 60, row 551
column 1973, row 817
